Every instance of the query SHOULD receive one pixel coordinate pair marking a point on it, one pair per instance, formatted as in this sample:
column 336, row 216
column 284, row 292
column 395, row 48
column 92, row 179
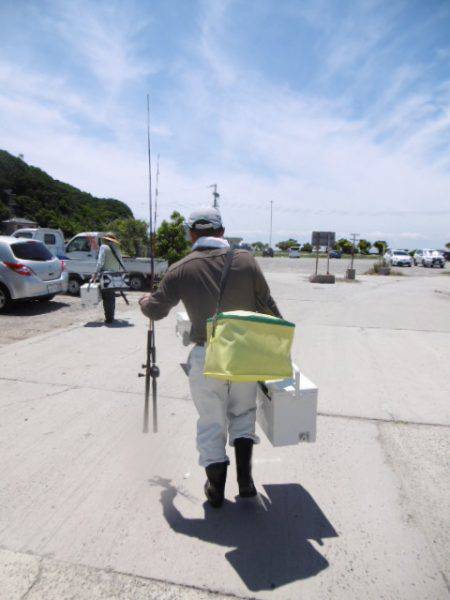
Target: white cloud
column 227, row 124
column 103, row 38
column 409, row 235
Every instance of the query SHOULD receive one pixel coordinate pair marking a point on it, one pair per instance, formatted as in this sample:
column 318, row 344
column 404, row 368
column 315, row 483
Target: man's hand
column 143, row 301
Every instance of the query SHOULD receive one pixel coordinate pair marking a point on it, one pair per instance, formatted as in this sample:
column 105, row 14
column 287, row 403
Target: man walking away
column 224, row 408
column 109, row 259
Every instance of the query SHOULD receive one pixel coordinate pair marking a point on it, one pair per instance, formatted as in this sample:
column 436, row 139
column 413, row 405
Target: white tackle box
column 287, row 410
column 183, row 328
column 90, row 294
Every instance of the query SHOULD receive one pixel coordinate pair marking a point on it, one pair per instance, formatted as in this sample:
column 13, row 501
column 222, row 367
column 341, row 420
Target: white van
column 52, row 238
column 294, row 252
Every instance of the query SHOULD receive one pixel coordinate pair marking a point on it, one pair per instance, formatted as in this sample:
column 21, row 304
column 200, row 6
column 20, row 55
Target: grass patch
column 375, row 270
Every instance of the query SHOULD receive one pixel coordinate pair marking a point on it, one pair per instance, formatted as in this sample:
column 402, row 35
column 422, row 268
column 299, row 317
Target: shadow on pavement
column 30, row 308
column 117, row 324
column 270, row 535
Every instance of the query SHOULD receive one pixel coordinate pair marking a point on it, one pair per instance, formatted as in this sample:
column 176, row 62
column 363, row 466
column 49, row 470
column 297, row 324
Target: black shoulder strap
column 116, row 256
column 224, row 277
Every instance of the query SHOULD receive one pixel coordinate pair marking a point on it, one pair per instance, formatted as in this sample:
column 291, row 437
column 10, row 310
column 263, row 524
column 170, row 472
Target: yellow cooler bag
column 248, row 346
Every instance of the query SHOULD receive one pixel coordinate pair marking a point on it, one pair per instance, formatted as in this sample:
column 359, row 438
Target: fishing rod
column 156, row 192
column 151, row 369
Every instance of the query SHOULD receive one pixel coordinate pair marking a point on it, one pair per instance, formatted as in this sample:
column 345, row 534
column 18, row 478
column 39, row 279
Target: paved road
column 91, row 508
column 27, row 319
column 306, row 266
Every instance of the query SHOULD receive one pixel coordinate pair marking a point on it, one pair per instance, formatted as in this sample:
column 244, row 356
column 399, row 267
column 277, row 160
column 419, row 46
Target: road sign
column 323, row 238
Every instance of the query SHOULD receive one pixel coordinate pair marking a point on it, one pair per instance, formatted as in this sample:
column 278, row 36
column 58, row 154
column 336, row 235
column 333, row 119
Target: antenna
column 216, row 195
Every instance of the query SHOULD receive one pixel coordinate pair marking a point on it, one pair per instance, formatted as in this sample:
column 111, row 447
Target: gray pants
column 225, row 410
column 109, row 304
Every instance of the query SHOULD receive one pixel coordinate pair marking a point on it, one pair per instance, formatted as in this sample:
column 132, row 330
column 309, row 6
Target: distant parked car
column 244, row 246
column 335, row 254
column 398, row 258
column 294, row 252
column 28, row 270
column 417, row 257
column 433, row 258
column 268, row 252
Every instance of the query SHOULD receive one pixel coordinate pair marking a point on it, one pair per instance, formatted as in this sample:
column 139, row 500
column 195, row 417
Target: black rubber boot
column 215, row 484
column 243, row 448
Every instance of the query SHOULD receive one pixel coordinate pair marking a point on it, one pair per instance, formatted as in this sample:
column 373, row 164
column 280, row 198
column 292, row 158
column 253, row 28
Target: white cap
column 205, row 218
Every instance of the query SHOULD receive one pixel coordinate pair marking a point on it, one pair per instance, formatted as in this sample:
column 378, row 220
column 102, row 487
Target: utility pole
column 354, row 236
column 271, row 220
column 216, row 195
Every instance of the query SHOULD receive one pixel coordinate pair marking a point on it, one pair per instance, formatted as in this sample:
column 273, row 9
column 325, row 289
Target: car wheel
column 74, row 286
column 136, row 282
column 5, row 299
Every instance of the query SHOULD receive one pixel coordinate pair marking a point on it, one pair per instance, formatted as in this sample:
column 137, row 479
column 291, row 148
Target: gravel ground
column 27, row 319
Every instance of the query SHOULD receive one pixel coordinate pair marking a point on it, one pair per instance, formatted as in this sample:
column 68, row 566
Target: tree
column 447, row 245
column 5, row 213
column 52, row 203
column 133, row 234
column 171, row 242
column 345, row 246
column 364, row 246
column 284, row 246
column 381, row 246
column 259, row 246
column 307, row 247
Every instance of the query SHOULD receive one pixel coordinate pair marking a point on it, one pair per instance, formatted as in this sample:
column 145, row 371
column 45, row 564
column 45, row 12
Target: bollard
column 350, row 274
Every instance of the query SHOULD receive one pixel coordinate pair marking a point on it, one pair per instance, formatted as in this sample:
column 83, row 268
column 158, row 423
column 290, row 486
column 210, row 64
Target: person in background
column 109, row 259
column 225, row 409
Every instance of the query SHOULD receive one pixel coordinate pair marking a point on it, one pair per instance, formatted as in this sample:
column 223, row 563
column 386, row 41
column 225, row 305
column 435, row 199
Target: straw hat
column 110, row 237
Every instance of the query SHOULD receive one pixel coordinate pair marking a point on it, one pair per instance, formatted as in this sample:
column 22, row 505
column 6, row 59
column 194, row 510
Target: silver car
column 28, row 270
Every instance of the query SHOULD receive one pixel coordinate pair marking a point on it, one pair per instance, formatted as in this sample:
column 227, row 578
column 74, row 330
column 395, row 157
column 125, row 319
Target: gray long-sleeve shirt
column 106, row 260
column 195, row 281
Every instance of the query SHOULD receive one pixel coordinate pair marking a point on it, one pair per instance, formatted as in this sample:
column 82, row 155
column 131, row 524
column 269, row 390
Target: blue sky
column 337, row 111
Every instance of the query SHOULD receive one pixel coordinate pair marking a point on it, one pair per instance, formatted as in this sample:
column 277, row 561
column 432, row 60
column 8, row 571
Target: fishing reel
column 153, row 371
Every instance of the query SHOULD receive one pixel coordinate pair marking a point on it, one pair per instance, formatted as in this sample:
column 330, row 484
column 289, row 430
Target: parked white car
column 417, row 257
column 398, row 258
column 294, row 252
column 433, row 258
column 28, row 271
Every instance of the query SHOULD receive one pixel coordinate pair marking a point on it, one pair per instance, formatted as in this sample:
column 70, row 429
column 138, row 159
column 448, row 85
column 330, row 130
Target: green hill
column 26, row 191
